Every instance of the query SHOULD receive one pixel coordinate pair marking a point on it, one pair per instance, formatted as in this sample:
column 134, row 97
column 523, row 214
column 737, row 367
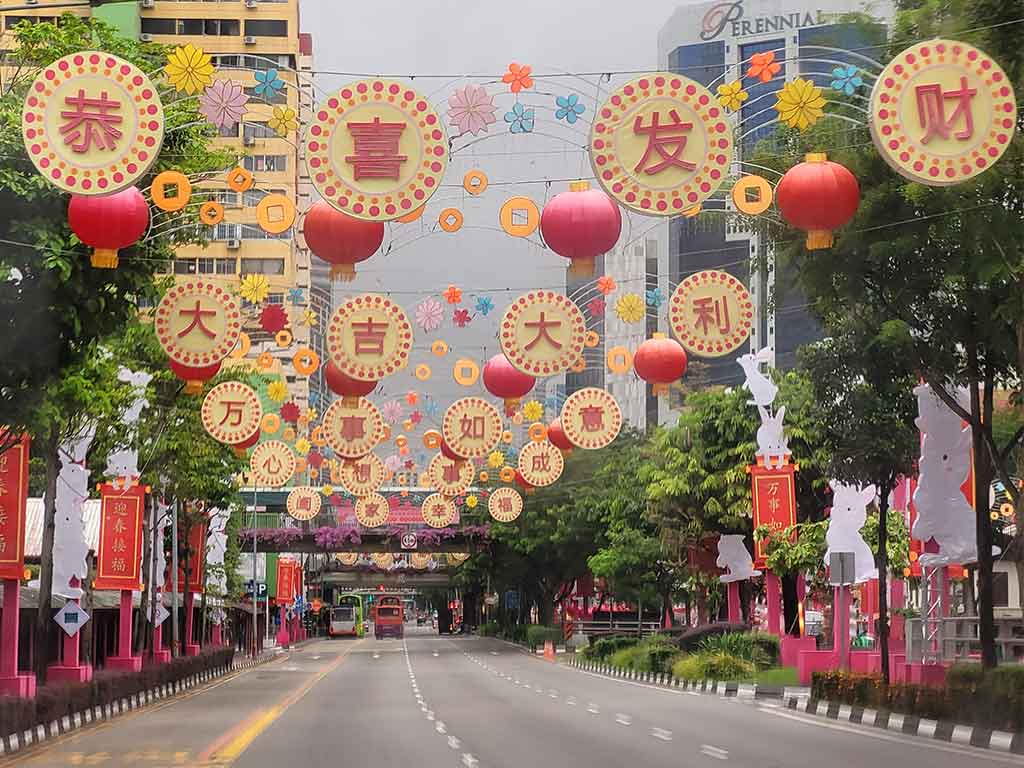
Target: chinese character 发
column 233, row 410
column 369, row 336
column 197, row 320
column 542, row 326
column 931, row 110
column 90, row 120
column 542, row 463
column 593, row 418
column 353, row 427
column 710, row 311
column 505, row 503
column 375, row 154
column 668, row 141
column 472, row 427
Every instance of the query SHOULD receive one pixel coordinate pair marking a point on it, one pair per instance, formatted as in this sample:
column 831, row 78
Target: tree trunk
column 790, row 605
column 545, row 607
column 882, row 561
column 43, row 611
column 141, row 623
column 983, row 525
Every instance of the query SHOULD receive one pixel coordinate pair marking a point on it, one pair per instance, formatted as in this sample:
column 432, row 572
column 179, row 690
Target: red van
column 388, row 617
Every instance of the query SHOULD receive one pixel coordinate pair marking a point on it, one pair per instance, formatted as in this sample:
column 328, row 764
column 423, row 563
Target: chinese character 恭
column 542, row 326
column 668, row 141
column 593, row 418
column 197, row 320
column 931, row 110
column 375, row 152
column 233, row 408
column 542, row 463
column 353, row 427
column 472, row 427
column 711, row 311
column 90, row 120
column 369, row 336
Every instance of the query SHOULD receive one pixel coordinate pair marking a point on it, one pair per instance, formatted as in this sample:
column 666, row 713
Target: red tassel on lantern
column 340, row 240
column 580, row 225
column 108, row 223
column 818, row 196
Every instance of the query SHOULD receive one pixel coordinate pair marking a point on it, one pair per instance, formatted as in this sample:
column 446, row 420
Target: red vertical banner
column 120, row 548
column 285, row 581
column 13, row 501
column 774, row 495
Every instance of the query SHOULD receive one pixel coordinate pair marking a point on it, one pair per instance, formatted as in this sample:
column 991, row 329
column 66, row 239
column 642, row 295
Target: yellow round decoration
column 271, row 423
column 303, row 503
column 305, row 361
column 506, row 437
column 542, row 333
column 419, row 560
column 752, row 195
column 471, row 427
column 164, row 184
column 451, row 478
column 484, row 476
column 711, row 313
column 401, row 441
column 283, row 338
column 369, row 337
column 591, row 418
column 265, row 361
column 289, row 433
column 383, row 560
column 439, row 348
column 450, row 219
column 620, row 360
column 465, row 372
column 231, row 412
column 242, row 347
column 275, row 213
column 372, row 510
column 240, row 179
column 211, row 213
column 432, row 439
column 540, row 463
column 579, row 366
column 519, row 216
column 272, row 464
column 352, row 427
column 457, row 558
column 475, row 182
column 422, row 372
column 438, row 511
column 197, row 323
column 362, row 476
column 505, row 504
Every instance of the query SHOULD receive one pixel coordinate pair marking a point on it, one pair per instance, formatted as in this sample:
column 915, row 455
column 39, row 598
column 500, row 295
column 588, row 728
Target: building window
column 254, row 232
column 266, row 27
column 225, row 232
column 756, row 110
column 205, row 266
column 252, row 197
column 226, row 197
column 275, row 298
column 1000, row 589
column 703, row 62
column 225, row 266
column 248, row 61
column 278, row 97
column 257, row 129
column 228, row 131
column 262, row 266
column 266, row 163
column 159, row 26
column 184, row 266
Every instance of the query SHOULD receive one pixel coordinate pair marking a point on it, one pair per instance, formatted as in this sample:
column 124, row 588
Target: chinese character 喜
column 369, row 336
column 375, row 154
column 542, row 326
column 931, row 110
column 711, row 311
column 668, row 141
column 90, row 120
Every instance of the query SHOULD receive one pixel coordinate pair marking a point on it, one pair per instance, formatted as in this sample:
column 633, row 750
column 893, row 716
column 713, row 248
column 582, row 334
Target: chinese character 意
column 542, row 463
column 120, row 546
column 375, row 154
column 542, row 326
column 931, row 110
column 472, row 427
column 593, row 418
column 711, row 311
column 90, row 120
column 233, row 410
column 668, row 141
column 369, row 336
column 197, row 320
column 451, row 472
column 353, row 427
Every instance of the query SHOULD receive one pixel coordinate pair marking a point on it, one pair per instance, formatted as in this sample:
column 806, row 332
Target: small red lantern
column 347, row 388
column 249, row 442
column 581, row 224
column 521, row 482
column 340, row 240
column 504, row 381
column 556, row 436
column 194, row 377
column 449, row 454
column 108, row 223
column 660, row 361
column 818, row 196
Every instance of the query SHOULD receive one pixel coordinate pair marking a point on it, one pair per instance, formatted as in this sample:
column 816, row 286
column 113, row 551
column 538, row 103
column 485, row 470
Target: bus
column 388, row 617
column 347, row 617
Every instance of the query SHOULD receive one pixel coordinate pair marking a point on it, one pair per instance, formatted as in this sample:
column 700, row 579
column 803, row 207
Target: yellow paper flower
column 630, row 308
column 308, row 318
column 283, row 120
column 471, row 501
column 731, row 95
column 254, row 288
column 800, row 104
column 533, row 411
column 302, row 446
column 189, row 69
column 277, row 390
column 496, row 459
column 327, row 490
column 310, row 414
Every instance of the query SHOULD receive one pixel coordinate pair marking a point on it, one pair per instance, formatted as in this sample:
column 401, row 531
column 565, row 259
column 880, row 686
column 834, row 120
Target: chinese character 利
column 709, row 312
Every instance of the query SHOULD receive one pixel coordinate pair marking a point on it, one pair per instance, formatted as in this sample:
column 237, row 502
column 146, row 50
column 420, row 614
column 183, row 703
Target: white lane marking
column 527, row 686
column 715, row 752
column 376, row 655
column 571, row 701
column 593, row 709
column 623, row 719
column 430, row 714
column 436, row 654
column 517, row 682
column 423, row 707
column 290, row 669
column 316, row 658
column 469, row 761
column 454, row 743
column 553, row 694
column 661, row 733
column 494, row 653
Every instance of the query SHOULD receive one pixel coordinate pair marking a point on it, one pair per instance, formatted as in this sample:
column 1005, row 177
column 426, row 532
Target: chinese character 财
column 931, row 111
column 668, row 141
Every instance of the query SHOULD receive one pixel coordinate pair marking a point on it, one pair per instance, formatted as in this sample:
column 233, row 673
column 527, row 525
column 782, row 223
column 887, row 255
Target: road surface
column 438, row 702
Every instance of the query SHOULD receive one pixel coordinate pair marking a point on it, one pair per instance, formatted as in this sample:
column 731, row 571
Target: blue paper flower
column 484, row 305
column 520, row 119
column 431, row 408
column 268, row 83
column 327, row 452
column 847, row 79
column 296, row 296
column 654, row 297
column 569, row 108
column 314, row 398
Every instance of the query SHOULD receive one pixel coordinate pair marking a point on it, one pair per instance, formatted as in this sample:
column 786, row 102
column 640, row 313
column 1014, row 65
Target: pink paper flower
column 596, row 307
column 393, row 463
column 415, row 417
column 392, row 411
column 471, row 109
column 223, row 103
column 461, row 317
column 429, row 314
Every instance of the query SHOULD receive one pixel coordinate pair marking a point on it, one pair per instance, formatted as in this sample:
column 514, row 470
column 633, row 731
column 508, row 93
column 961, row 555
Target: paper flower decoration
column 630, row 308
column 484, row 305
column 283, row 120
column 518, row 77
column 471, row 109
column 296, row 296
column 315, row 459
column 596, row 307
column 472, row 501
column 569, row 108
column 453, row 295
column 412, row 397
column 763, row 66
column 392, row 411
column 223, row 103
column 415, row 417
column 461, row 317
column 533, row 411
column 606, row 284
column 520, row 119
column 267, row 83
column 327, row 490
column 309, row 414
column 800, row 104
column 254, row 288
column 277, row 390
column 654, row 297
column 289, row 412
column 189, row 69
column 847, row 79
column 495, row 459
column 302, row 446
column 429, row 314
column 265, row 361
column 273, row 318
column 731, row 95
column 432, row 408
column 393, row 463
column 308, row 317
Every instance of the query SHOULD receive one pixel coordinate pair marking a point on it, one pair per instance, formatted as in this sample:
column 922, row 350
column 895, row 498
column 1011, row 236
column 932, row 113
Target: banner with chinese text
column 287, row 578
column 120, row 548
column 774, row 503
column 13, row 500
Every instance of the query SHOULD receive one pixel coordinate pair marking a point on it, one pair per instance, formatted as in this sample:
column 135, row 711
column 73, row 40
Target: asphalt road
column 433, row 702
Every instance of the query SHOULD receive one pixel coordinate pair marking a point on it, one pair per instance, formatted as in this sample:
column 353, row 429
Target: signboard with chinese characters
column 372, row 510
column 661, row 144
column 303, row 503
column 774, row 503
column 471, row 427
column 591, row 418
column 197, row 323
column 92, row 123
column 376, row 150
column 942, row 112
column 352, row 427
column 13, row 502
column 231, row 412
column 438, row 511
column 287, row 581
column 364, row 475
column 120, row 546
column 272, row 464
column 541, row 463
column 542, row 333
column 369, row 337
column 711, row 313
column 505, row 504
column 196, row 557
column 450, row 477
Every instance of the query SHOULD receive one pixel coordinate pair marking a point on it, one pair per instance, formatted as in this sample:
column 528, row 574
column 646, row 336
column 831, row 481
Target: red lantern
column 249, row 442
column 581, row 224
column 450, row 454
column 344, row 386
column 660, row 361
column 521, row 482
column 340, row 240
column 108, row 223
column 504, row 381
column 818, row 196
column 556, row 436
column 194, row 377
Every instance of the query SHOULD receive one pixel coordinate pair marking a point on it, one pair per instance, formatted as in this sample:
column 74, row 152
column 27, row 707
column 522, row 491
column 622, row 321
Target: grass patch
column 777, row 676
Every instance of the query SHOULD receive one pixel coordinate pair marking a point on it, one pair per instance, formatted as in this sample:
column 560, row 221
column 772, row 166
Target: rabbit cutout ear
column 780, row 415
column 76, row 449
column 765, row 418
column 763, row 355
column 867, row 495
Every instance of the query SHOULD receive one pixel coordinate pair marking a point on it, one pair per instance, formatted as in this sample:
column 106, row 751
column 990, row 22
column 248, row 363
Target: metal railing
column 959, row 640
column 618, row 627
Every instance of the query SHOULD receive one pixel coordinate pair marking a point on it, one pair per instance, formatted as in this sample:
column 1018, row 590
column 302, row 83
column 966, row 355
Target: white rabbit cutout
column 849, row 513
column 70, row 549
column 734, row 557
column 124, row 462
column 772, row 446
column 762, row 389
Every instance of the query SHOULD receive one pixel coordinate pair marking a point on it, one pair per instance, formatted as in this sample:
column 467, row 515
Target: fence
column 596, row 629
column 958, row 638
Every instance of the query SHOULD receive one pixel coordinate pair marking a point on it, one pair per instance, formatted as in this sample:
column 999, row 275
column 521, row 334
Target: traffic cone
column 549, row 650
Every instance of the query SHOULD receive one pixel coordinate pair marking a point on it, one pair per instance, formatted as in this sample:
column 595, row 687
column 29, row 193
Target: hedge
column 56, row 700
column 536, row 634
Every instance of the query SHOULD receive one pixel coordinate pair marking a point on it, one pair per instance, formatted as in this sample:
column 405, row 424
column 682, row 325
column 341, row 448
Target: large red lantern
column 660, row 361
column 340, row 240
column 343, row 385
column 108, row 223
column 557, row 437
column 818, row 196
column 194, row 376
column 504, row 381
column 249, row 442
column 581, row 224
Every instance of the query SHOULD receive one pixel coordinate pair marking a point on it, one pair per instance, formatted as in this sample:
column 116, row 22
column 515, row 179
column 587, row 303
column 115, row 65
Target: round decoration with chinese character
column 505, row 504
column 661, row 144
column 383, row 560
column 197, row 323
column 438, row 511
column 372, row 510
column 591, row 418
column 363, row 476
column 376, row 150
column 347, row 558
column 471, row 427
column 458, row 558
column 352, row 429
column 272, row 464
column 540, row 463
column 419, row 560
column 450, row 477
column 231, row 412
column 711, row 313
column 303, row 503
column 542, row 333
column 369, row 337
column 942, row 111
column 92, row 123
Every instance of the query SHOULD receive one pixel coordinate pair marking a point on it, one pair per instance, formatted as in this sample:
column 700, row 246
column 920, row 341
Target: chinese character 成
column 375, row 154
column 710, row 311
column 668, row 141
column 542, row 463
column 931, row 110
column 90, row 120
column 369, row 336
column 542, row 326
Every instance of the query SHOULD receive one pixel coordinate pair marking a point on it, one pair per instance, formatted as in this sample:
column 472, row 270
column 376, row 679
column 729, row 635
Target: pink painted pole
column 841, row 626
column 71, row 646
column 773, row 596
column 9, row 630
column 283, row 637
column 216, row 637
column 124, row 635
column 733, row 602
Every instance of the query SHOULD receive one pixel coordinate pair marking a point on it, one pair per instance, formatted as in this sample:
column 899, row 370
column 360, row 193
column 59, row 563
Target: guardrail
column 960, row 641
column 618, row 627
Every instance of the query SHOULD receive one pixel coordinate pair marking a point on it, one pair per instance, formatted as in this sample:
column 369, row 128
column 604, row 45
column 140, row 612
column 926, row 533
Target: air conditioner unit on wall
column 251, row 3
column 249, row 141
column 146, row 37
column 234, row 244
column 250, row 40
column 148, row 3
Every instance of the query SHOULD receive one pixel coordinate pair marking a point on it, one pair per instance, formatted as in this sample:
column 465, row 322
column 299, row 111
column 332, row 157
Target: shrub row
column 488, row 629
column 56, row 700
column 537, row 634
